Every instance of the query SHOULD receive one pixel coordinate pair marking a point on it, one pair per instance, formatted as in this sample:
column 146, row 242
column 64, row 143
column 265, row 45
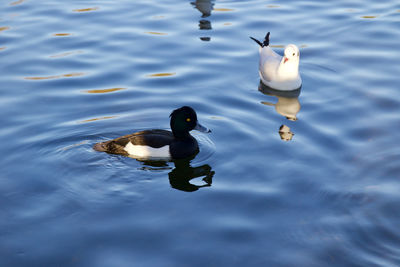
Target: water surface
column 303, row 180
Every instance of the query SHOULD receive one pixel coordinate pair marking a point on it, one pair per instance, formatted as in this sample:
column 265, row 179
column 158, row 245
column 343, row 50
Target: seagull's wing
column 266, row 51
column 269, row 62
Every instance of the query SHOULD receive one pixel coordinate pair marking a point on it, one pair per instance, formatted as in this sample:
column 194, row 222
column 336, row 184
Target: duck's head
column 291, row 54
column 183, row 120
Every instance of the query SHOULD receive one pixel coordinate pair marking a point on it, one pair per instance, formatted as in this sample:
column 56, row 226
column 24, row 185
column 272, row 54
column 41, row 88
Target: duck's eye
column 188, row 119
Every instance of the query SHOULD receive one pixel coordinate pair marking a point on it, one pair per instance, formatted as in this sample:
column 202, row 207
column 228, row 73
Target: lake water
column 311, row 179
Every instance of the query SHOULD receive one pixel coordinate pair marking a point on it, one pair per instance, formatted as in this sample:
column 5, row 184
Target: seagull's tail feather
column 266, row 40
column 258, row 42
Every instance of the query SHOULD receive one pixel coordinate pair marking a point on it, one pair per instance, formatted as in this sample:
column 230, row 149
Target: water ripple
column 68, row 75
column 328, row 197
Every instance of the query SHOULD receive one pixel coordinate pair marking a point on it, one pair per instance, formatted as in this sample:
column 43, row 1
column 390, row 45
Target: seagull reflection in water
column 288, row 105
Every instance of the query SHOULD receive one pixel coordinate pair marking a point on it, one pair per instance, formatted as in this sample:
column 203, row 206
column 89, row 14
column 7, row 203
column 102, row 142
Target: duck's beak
column 201, row 128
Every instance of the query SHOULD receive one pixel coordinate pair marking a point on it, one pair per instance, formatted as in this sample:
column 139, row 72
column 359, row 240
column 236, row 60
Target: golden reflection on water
column 86, row 9
column 161, row 74
column 103, row 91
column 68, row 75
column 3, row 48
column 157, row 33
column 224, row 9
column 61, row 34
column 17, row 2
column 4, row 28
column 66, row 54
column 227, row 23
column 97, row 119
column 369, row 17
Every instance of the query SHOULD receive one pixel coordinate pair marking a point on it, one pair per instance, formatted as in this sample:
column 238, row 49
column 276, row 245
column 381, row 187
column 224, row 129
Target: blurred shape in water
column 224, row 9
column 161, row 74
column 4, row 28
column 288, row 104
column 102, row 91
column 205, row 24
column 180, row 177
column 66, row 54
column 204, row 6
column 97, row 119
column 285, row 133
column 86, row 9
column 16, row 2
column 84, row 142
column 68, row 75
column 61, row 34
column 157, row 33
column 277, row 46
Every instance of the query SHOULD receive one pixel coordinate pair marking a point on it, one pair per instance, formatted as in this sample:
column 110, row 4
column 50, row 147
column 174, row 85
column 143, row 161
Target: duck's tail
column 102, row 147
column 265, row 43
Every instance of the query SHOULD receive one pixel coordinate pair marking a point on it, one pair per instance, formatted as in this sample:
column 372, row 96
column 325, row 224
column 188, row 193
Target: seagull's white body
column 277, row 72
column 280, row 73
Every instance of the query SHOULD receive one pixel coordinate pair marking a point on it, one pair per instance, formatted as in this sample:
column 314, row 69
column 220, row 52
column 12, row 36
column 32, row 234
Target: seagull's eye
column 294, row 54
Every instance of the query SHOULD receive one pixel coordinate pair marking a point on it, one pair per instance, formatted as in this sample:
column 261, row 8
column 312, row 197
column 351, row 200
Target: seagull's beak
column 285, row 59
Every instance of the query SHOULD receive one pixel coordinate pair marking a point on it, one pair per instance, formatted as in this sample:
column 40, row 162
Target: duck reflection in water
column 288, row 105
column 205, row 7
column 183, row 173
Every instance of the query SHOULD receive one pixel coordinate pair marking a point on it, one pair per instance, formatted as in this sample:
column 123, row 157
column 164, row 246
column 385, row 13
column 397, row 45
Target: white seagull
column 277, row 72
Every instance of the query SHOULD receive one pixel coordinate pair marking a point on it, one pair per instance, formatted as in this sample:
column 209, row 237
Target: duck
column 279, row 72
column 158, row 144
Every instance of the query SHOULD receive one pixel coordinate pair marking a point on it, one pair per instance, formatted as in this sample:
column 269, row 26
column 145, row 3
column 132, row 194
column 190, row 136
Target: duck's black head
column 183, row 120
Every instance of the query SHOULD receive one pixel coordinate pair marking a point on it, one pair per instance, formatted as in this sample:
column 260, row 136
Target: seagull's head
column 291, row 53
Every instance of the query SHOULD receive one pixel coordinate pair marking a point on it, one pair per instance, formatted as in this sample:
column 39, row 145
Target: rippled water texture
column 306, row 179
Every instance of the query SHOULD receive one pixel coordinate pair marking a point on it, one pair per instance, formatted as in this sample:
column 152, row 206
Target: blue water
column 311, row 179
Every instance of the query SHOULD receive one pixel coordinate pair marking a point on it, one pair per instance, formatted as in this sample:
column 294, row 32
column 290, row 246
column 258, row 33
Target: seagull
column 277, row 72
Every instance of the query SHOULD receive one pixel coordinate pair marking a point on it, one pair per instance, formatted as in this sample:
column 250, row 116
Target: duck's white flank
column 147, row 151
